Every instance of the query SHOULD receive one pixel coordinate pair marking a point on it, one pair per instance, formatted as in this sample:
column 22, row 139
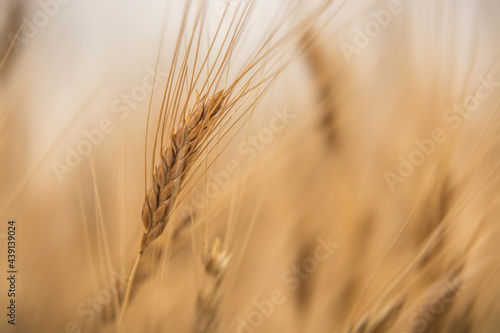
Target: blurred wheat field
column 250, row 166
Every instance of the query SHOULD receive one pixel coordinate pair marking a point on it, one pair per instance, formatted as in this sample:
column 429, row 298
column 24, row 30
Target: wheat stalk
column 172, row 168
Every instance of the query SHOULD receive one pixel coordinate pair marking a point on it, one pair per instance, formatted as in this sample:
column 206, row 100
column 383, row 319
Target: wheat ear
column 173, row 166
column 215, row 262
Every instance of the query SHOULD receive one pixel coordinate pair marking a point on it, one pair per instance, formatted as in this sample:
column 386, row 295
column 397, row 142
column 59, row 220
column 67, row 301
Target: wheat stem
column 129, row 287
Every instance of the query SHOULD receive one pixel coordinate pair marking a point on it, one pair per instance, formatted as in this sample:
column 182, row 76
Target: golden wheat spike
column 175, row 161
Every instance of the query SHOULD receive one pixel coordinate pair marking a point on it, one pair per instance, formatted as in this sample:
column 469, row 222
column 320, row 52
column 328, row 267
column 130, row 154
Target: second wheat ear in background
column 170, row 172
